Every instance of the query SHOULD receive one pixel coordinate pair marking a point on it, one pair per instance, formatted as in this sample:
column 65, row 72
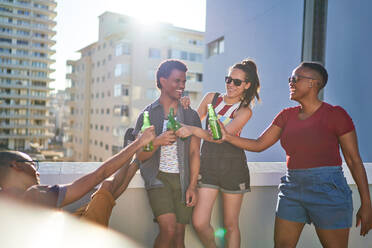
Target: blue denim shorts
column 317, row 195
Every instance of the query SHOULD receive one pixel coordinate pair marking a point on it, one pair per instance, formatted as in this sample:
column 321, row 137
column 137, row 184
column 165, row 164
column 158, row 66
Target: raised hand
column 185, row 102
column 165, row 139
column 184, row 131
column 147, row 136
column 223, row 132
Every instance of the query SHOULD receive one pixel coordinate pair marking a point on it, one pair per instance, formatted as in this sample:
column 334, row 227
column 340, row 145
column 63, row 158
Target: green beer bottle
column 146, row 124
column 172, row 123
column 213, row 123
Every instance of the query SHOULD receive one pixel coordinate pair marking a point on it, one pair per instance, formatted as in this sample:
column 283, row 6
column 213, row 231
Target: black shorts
column 228, row 174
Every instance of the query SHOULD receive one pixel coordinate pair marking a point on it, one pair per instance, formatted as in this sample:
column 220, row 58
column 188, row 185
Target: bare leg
column 179, row 240
column 167, row 231
column 287, row 233
column 201, row 217
column 336, row 238
column 231, row 210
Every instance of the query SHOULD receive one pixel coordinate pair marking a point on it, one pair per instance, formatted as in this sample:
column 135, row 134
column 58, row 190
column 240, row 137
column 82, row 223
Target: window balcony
column 29, row 67
column 42, row 28
column 26, row 136
column 24, row 56
column 15, row 86
column 13, row 76
column 29, row 17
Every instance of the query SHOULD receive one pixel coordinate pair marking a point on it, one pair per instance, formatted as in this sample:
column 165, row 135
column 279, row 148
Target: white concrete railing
column 261, row 173
column 132, row 214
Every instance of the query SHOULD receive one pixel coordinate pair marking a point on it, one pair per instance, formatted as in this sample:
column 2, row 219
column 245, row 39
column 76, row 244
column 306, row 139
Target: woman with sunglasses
column 223, row 166
column 314, row 189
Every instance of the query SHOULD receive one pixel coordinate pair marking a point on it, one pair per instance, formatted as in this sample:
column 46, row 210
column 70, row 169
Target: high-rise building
column 115, row 79
column 26, row 33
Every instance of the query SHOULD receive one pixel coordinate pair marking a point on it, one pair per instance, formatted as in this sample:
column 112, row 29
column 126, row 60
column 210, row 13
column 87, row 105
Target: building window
column 122, row 48
column 152, row 93
column 154, row 53
column 121, row 90
column 195, row 77
column 118, row 131
column 196, row 42
column 121, row 70
column 216, row 47
column 115, row 149
column 195, row 57
column 121, row 110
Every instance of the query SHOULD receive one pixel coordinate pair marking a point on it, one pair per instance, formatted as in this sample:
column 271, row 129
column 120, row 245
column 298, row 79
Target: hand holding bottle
column 147, row 136
column 184, row 132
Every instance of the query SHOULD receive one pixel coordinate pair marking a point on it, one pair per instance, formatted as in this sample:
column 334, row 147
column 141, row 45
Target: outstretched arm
column 349, row 146
column 83, row 185
column 268, row 138
column 122, row 178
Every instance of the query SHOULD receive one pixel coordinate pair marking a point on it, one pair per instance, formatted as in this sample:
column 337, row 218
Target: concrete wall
column 270, row 32
column 132, row 214
column 348, row 61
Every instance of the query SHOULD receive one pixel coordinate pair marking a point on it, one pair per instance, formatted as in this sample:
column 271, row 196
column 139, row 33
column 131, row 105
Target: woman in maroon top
column 314, row 189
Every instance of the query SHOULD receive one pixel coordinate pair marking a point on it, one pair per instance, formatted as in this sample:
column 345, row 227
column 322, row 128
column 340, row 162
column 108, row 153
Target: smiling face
column 174, row 85
column 234, row 91
column 302, row 83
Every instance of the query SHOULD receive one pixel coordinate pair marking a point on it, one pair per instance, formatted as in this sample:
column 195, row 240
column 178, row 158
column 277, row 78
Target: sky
column 77, row 23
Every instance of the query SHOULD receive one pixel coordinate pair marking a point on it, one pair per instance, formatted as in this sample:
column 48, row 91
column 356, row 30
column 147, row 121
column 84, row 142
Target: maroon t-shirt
column 313, row 142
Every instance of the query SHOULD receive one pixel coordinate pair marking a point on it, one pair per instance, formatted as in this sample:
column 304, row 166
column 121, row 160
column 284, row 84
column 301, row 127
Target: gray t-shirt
column 46, row 195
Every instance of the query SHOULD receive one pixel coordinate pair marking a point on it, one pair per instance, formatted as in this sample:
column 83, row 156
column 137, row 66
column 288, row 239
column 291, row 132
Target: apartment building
column 114, row 79
column 26, row 33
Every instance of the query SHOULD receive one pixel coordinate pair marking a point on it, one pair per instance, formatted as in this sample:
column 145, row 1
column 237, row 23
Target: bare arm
column 83, row 185
column 268, row 138
column 191, row 197
column 122, row 179
column 349, row 146
column 235, row 126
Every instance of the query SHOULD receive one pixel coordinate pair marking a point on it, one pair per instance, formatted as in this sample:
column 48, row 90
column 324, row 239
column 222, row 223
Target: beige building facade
column 26, row 40
column 115, row 79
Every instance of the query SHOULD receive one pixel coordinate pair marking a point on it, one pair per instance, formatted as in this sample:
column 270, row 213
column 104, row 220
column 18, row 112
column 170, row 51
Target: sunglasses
column 237, row 82
column 295, row 78
column 35, row 163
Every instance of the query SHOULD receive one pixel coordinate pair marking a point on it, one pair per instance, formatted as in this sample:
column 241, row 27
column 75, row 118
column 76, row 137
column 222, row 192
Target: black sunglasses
column 294, row 79
column 35, row 163
column 237, row 82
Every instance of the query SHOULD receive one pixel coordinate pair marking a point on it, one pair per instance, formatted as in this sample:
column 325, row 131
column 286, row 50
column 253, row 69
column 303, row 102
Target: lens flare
column 220, row 233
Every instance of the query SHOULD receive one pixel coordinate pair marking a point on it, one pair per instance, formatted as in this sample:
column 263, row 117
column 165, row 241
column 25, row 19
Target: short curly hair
column 166, row 67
